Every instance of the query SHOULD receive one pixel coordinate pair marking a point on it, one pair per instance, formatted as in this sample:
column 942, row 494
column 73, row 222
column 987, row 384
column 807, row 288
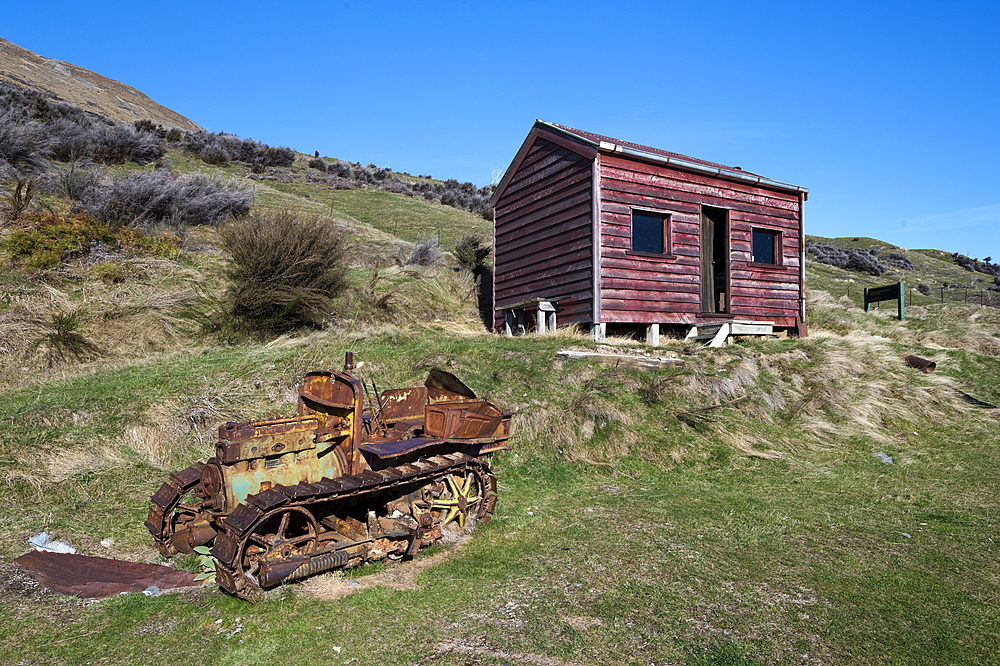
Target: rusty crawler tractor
column 336, row 485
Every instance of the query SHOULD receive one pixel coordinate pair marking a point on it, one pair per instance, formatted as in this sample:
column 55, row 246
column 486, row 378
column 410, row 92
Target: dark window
column 650, row 233
column 766, row 247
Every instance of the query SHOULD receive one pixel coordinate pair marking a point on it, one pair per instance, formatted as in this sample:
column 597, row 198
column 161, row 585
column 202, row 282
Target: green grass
column 719, row 558
column 409, row 218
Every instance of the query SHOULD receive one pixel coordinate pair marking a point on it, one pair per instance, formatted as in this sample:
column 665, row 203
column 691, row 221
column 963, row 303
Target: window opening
column 766, row 247
column 650, row 232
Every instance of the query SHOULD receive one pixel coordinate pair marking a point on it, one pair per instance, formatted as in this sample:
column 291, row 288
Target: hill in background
column 81, row 87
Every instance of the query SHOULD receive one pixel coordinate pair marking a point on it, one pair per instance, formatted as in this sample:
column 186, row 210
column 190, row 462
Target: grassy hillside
column 733, row 512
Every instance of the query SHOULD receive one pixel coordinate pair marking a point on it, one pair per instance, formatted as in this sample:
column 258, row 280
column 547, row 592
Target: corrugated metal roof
column 98, row 577
column 617, row 145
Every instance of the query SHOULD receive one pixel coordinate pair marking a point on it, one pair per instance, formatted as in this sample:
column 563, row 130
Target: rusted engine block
column 336, row 485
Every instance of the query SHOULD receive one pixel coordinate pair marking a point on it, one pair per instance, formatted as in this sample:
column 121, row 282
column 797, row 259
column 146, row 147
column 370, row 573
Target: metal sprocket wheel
column 463, row 498
column 279, row 535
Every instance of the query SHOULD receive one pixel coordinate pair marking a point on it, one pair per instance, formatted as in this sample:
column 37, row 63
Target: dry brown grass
column 818, row 395
column 132, row 319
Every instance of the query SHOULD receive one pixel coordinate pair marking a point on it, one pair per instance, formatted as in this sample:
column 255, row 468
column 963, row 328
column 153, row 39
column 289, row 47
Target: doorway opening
column 715, row 291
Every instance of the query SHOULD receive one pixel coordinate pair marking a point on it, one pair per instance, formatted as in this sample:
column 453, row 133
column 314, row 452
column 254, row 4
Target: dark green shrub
column 110, row 272
column 63, row 337
column 174, row 135
column 471, row 252
column 280, row 157
column 286, row 269
column 150, row 127
column 924, row 289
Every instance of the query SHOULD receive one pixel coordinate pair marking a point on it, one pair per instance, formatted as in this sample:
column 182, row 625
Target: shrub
column 280, row 157
column 286, row 269
column 425, row 252
column 858, row 260
column 15, row 202
column 900, row 261
column 138, row 199
column 317, row 163
column 471, row 252
column 74, row 182
column 63, row 336
column 146, row 198
column 156, row 244
column 222, row 148
column 67, row 141
column 21, row 144
column 110, row 272
column 117, row 144
column 214, row 154
column 174, row 135
column 146, row 125
column 203, row 200
column 924, row 289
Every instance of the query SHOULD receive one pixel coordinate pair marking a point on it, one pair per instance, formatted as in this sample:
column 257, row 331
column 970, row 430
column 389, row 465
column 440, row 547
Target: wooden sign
column 890, row 292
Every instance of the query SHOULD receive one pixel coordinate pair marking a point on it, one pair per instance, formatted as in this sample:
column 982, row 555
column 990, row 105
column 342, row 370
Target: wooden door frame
column 727, row 249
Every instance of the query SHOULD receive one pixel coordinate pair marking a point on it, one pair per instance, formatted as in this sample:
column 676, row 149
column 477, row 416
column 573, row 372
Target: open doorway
column 714, row 260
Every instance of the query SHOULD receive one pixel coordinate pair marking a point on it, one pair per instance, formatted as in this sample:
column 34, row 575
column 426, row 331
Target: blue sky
column 888, row 112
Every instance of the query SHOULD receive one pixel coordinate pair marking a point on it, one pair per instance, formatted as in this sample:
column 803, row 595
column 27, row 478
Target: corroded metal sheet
column 98, row 577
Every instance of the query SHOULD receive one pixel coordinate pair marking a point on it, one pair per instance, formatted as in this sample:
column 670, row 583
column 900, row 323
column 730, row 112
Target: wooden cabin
column 622, row 237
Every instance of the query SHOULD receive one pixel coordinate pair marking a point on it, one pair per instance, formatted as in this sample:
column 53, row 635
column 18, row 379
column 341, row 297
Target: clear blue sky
column 888, row 112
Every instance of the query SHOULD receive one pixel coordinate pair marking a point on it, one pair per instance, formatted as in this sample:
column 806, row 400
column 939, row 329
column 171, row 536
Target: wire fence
column 970, row 295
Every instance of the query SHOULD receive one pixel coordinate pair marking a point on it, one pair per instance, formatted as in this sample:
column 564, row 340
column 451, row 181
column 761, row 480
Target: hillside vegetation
column 730, row 512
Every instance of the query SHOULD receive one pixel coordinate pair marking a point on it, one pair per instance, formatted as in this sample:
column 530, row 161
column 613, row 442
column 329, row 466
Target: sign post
column 890, row 292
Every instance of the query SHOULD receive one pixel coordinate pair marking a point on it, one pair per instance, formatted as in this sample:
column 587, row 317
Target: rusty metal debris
column 338, row 484
column 921, row 363
column 98, row 577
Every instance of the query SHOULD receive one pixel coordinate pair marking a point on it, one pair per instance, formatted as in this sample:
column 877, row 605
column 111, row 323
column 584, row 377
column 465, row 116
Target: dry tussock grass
column 130, row 319
column 975, row 333
column 570, row 432
column 413, row 296
column 152, row 444
column 828, row 390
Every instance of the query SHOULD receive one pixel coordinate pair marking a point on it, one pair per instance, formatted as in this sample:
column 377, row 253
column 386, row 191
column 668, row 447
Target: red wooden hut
column 616, row 236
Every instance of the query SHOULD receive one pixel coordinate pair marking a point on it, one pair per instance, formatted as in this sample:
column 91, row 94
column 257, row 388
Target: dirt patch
column 583, row 623
column 397, row 575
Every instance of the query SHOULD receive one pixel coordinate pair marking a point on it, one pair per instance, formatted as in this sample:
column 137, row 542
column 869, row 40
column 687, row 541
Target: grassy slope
column 627, row 531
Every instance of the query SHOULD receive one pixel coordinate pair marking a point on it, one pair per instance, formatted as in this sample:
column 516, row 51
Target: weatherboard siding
column 543, row 233
column 667, row 290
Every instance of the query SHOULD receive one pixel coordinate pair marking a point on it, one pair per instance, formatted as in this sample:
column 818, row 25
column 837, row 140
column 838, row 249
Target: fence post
column 902, row 301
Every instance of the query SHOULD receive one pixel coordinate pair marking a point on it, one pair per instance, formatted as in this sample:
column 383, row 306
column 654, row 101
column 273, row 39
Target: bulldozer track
column 230, row 545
